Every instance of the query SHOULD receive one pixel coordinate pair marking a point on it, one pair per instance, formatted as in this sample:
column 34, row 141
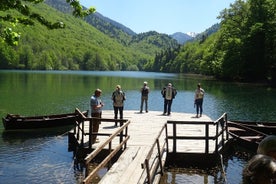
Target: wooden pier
column 149, row 138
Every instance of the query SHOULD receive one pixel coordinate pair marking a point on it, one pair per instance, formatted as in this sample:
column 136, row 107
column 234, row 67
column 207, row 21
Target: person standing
column 118, row 97
column 199, row 94
column 96, row 105
column 144, row 97
column 168, row 94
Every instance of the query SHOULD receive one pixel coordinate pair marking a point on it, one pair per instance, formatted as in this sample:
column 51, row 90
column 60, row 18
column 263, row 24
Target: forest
column 77, row 46
column 242, row 49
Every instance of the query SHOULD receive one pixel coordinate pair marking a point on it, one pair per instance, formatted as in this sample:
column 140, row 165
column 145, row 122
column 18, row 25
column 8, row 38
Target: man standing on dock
column 118, row 98
column 168, row 94
column 96, row 111
column 144, row 97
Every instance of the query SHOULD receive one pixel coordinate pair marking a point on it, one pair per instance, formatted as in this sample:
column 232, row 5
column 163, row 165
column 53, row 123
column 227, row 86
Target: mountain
column 214, row 28
column 93, row 43
column 181, row 37
column 99, row 16
column 121, row 33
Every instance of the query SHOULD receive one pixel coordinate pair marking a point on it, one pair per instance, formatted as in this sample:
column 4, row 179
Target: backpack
column 118, row 97
column 145, row 91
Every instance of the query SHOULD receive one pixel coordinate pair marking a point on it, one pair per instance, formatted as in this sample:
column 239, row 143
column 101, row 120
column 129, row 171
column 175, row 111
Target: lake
column 42, row 157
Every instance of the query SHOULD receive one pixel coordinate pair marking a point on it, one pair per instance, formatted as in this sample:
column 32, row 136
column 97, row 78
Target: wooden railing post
column 207, row 138
column 174, row 137
column 90, row 133
column 159, row 156
column 217, row 130
column 82, row 134
column 167, row 140
column 226, row 127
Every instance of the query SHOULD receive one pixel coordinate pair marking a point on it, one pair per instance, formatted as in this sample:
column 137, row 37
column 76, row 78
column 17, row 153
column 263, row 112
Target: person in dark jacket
column 144, row 97
column 118, row 98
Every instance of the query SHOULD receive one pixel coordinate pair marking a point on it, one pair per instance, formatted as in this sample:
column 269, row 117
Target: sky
column 163, row 16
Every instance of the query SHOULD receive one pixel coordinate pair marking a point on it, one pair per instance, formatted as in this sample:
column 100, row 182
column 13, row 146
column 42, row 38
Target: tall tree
column 229, row 44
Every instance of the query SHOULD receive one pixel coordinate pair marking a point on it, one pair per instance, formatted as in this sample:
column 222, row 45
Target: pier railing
column 154, row 161
column 112, row 152
column 82, row 136
column 220, row 136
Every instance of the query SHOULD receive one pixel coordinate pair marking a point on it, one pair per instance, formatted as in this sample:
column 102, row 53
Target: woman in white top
column 199, row 94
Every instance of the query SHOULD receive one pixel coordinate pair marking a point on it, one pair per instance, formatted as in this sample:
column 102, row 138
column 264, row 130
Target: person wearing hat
column 96, row 105
column 144, row 97
column 118, row 98
column 168, row 94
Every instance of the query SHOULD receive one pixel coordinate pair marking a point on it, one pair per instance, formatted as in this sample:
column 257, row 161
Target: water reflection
column 43, row 157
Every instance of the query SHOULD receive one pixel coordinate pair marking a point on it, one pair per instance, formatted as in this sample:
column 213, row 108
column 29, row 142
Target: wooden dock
column 144, row 128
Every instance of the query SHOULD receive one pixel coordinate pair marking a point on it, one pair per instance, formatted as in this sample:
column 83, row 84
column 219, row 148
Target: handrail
column 79, row 128
column 112, row 153
column 122, row 132
column 219, row 134
column 152, row 168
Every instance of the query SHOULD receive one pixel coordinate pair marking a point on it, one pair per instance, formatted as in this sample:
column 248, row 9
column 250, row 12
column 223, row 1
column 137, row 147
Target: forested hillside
column 244, row 48
column 241, row 47
column 80, row 46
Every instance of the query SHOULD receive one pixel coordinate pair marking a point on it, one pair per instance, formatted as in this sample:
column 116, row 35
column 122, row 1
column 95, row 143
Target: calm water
column 42, row 157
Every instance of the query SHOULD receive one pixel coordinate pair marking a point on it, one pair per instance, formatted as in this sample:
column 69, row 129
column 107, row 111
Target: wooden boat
column 14, row 122
column 265, row 127
column 244, row 135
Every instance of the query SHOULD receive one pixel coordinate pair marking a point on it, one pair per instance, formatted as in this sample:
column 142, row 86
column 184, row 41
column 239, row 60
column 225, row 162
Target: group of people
column 169, row 93
column 261, row 169
column 118, row 97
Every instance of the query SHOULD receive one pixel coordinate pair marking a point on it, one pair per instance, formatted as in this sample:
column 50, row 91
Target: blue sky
column 163, row 16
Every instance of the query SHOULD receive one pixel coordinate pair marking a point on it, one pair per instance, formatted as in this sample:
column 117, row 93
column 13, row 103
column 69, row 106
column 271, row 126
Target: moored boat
column 245, row 136
column 14, row 122
column 265, row 127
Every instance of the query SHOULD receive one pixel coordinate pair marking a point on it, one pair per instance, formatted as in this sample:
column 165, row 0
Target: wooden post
column 148, row 171
column 167, row 141
column 226, row 119
column 207, row 138
column 217, row 127
column 159, row 156
column 174, row 137
column 126, row 132
column 90, row 133
column 82, row 135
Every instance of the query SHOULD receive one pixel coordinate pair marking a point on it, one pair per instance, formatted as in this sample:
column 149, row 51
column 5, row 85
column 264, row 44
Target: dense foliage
column 26, row 16
column 79, row 46
column 243, row 49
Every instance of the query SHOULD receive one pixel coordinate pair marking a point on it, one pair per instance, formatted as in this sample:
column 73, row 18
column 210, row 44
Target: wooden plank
column 143, row 130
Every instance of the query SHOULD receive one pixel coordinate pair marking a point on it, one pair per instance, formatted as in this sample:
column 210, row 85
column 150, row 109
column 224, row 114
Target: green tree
column 27, row 17
column 245, row 48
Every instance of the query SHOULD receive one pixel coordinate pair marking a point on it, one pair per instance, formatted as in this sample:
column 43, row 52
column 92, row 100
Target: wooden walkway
column 143, row 130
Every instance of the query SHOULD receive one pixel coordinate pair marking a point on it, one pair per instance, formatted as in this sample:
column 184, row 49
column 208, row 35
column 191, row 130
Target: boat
column 244, row 135
column 265, row 127
column 17, row 122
